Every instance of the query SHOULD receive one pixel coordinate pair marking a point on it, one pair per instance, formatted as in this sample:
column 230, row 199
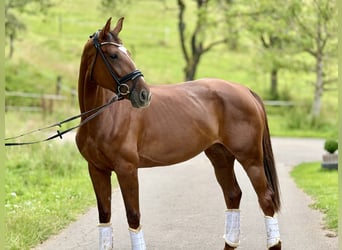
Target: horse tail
column 270, row 168
column 268, row 158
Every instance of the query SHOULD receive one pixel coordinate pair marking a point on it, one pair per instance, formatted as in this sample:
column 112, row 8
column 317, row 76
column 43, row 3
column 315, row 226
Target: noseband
column 122, row 87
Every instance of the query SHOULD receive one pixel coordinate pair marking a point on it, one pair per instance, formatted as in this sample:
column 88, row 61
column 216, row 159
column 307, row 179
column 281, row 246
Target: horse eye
column 113, row 56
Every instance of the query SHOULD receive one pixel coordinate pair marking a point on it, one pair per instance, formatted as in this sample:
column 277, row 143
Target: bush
column 331, row 146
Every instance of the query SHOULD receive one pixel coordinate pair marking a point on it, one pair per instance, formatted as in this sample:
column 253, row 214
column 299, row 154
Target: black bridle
column 122, row 91
column 122, row 87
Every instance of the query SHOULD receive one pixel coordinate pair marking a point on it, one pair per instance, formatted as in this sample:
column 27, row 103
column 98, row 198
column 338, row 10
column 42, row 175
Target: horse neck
column 90, row 95
column 93, row 96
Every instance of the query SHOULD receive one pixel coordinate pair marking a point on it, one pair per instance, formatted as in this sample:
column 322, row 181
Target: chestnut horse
column 227, row 121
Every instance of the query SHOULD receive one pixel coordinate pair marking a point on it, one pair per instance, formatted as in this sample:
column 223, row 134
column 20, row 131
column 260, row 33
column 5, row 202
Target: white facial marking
column 123, row 49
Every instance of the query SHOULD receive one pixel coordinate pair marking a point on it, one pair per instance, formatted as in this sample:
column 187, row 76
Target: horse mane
column 83, row 76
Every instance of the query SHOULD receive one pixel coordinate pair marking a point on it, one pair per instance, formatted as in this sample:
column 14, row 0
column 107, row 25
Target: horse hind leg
column 223, row 163
column 255, row 170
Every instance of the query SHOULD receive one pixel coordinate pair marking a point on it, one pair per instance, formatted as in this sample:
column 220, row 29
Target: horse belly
column 172, row 148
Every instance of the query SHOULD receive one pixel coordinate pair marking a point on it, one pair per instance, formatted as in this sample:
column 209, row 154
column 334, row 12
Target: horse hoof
column 276, row 247
column 227, row 247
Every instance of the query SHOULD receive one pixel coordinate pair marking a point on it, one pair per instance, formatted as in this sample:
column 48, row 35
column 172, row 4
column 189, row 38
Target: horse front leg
column 129, row 185
column 103, row 190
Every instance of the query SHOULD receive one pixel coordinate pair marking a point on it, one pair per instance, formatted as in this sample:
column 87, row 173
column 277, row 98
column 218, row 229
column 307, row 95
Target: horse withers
column 227, row 121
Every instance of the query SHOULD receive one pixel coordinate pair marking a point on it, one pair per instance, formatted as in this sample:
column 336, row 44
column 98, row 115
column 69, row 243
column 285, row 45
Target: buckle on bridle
column 123, row 89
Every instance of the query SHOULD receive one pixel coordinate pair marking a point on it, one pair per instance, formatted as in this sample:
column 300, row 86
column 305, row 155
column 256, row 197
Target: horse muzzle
column 140, row 98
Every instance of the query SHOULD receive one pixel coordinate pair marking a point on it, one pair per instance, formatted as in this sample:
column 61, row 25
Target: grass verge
column 47, row 186
column 322, row 186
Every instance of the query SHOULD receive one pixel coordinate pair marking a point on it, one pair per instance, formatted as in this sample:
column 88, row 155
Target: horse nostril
column 143, row 95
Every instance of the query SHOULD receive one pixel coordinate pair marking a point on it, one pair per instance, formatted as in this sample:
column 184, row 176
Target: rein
column 96, row 111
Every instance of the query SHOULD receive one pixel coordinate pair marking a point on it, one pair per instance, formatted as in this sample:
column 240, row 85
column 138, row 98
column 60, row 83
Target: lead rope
column 97, row 110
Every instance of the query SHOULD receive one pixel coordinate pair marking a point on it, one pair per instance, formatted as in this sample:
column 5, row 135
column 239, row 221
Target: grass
column 322, row 186
column 296, row 122
column 47, row 186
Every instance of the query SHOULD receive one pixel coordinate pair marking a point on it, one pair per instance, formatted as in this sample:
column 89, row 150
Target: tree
column 119, row 7
column 198, row 42
column 316, row 21
column 270, row 27
column 12, row 24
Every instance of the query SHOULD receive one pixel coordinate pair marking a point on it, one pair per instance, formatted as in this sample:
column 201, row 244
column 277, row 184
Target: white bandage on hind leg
column 105, row 236
column 232, row 227
column 272, row 230
column 137, row 239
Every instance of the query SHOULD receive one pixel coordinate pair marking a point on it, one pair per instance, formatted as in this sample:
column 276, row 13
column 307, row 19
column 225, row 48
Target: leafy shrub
column 331, row 146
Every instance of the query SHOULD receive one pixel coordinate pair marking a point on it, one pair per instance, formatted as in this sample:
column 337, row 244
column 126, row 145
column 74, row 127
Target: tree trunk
column 193, row 53
column 11, row 46
column 189, row 72
column 191, row 68
column 316, row 105
column 274, row 84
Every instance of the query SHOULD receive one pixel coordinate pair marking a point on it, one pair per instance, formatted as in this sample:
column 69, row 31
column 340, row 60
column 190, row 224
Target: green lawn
column 322, row 186
column 47, row 186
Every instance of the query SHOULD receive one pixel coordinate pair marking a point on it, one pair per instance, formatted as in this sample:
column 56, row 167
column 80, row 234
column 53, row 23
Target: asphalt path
column 182, row 207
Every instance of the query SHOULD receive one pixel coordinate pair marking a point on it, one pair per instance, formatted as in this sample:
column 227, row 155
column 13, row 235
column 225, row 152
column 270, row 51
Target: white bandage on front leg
column 272, row 230
column 105, row 236
column 232, row 227
column 137, row 239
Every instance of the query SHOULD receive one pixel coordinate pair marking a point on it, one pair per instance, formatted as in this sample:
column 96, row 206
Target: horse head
column 113, row 68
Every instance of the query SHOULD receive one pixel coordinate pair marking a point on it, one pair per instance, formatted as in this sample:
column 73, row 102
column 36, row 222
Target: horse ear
column 118, row 26
column 105, row 30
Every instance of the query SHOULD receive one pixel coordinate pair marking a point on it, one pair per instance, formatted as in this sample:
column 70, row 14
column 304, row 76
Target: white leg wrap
column 105, row 236
column 232, row 227
column 137, row 239
column 272, row 230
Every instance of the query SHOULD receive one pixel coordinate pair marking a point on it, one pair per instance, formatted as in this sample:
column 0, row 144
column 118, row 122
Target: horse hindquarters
column 258, row 162
column 271, row 223
column 248, row 140
column 268, row 158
